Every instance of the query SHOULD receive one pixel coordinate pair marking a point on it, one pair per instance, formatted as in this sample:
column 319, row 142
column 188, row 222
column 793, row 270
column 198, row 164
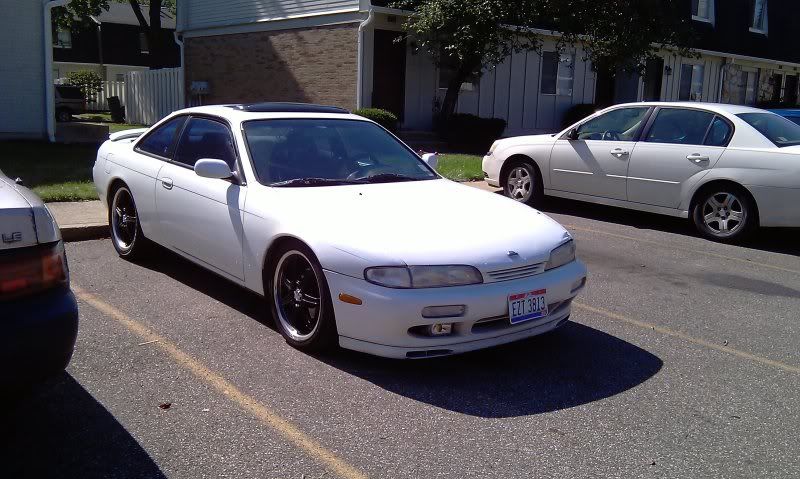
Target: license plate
column 527, row 306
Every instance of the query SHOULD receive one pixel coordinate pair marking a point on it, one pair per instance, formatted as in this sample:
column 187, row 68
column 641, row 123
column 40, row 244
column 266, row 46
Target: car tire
column 63, row 115
column 299, row 299
column 123, row 222
column 521, row 183
column 724, row 213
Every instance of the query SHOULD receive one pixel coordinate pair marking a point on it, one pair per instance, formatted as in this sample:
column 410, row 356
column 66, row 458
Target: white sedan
column 349, row 235
column 729, row 168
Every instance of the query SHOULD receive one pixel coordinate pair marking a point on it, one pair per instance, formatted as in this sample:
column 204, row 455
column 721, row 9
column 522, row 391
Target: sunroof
column 286, row 107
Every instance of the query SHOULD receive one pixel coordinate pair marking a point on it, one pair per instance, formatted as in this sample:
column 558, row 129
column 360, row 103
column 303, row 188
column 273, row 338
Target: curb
column 84, row 232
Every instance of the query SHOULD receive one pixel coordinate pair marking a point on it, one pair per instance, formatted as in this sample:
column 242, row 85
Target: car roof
column 715, row 107
column 786, row 111
column 256, row 111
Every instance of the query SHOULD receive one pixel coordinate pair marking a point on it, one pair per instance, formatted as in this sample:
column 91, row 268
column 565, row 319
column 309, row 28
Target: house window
column 741, row 87
column 62, row 38
column 703, row 10
column 120, row 77
column 777, row 86
column 759, row 23
column 558, row 73
column 691, row 83
column 790, row 89
column 143, row 46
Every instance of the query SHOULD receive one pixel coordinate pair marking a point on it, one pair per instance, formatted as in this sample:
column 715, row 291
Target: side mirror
column 572, row 134
column 432, row 159
column 210, row 168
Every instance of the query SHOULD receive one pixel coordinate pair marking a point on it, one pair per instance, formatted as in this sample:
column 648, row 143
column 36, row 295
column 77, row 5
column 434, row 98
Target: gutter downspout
column 360, row 67
column 179, row 40
column 49, row 91
column 722, row 73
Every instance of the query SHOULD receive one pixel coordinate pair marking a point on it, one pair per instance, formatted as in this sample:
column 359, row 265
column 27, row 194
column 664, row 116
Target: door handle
column 166, row 183
column 697, row 158
column 619, row 152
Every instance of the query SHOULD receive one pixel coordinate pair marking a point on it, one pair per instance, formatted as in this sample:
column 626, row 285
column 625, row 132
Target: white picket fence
column 151, row 95
column 110, row 88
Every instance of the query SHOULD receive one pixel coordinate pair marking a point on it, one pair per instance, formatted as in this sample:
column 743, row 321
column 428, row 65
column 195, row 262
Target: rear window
column 70, row 93
column 777, row 129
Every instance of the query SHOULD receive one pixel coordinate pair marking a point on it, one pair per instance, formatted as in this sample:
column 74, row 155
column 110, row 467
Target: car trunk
column 17, row 223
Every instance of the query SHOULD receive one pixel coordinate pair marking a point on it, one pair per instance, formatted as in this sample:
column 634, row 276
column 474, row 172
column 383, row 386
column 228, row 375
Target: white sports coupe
column 729, row 168
column 350, row 236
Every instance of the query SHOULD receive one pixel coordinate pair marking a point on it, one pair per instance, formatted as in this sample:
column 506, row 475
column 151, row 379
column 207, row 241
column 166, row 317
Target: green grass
column 56, row 172
column 460, row 167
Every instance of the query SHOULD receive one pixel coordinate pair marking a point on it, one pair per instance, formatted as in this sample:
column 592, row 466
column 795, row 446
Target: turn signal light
column 346, row 298
column 29, row 270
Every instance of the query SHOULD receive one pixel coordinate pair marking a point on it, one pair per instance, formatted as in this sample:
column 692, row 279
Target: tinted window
column 617, row 125
column 160, row 141
column 719, row 134
column 347, row 150
column 685, row 127
column 203, row 138
column 70, row 93
column 777, row 129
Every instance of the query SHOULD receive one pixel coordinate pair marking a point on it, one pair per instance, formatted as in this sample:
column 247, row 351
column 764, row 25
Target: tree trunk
column 152, row 30
column 451, row 97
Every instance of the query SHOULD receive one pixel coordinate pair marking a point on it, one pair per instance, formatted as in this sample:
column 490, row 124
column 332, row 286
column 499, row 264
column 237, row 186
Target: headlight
column 423, row 276
column 562, row 255
column 492, row 148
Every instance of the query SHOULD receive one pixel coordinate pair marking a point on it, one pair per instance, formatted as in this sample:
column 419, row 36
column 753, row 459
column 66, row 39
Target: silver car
column 38, row 312
column 728, row 168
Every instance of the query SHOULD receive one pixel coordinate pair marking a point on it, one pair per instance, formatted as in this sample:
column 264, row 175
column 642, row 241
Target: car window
column 204, row 138
column 69, row 93
column 794, row 119
column 616, row 125
column 719, row 134
column 160, row 141
column 679, row 126
column 777, row 129
column 340, row 150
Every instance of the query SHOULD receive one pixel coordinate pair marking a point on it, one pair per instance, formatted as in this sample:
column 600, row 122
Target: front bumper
column 38, row 335
column 380, row 326
column 491, row 170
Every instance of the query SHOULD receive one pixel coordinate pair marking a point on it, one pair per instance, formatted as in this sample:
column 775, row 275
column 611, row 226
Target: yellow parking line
column 678, row 246
column 267, row 416
column 688, row 338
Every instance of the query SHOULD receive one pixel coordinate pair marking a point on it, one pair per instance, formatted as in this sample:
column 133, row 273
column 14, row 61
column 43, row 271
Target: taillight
column 30, row 270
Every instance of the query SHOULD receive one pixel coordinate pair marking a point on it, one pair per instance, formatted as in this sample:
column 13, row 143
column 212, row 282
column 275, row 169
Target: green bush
column 471, row 133
column 88, row 81
column 384, row 118
column 577, row 113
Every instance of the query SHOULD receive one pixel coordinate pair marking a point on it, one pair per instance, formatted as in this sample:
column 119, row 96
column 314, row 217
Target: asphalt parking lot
column 682, row 360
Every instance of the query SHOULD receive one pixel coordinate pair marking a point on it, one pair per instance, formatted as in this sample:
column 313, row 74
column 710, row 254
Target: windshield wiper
column 300, row 182
column 387, row 178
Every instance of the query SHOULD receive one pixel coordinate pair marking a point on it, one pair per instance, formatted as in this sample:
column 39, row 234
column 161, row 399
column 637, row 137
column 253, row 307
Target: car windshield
column 776, row 128
column 328, row 152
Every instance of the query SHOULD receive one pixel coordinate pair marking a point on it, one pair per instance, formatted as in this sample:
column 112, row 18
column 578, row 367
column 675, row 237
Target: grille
column 516, row 273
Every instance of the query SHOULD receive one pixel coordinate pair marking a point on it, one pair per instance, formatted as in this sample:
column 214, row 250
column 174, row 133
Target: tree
column 77, row 13
column 88, row 81
column 469, row 37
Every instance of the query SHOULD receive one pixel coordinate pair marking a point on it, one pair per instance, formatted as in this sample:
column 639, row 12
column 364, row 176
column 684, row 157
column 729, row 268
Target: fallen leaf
column 165, row 405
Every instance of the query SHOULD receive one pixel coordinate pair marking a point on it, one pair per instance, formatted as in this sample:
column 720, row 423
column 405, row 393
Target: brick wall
column 314, row 65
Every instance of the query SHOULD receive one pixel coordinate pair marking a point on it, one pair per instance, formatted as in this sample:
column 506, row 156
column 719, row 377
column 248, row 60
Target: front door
column 199, row 216
column 596, row 163
column 389, row 72
column 677, row 151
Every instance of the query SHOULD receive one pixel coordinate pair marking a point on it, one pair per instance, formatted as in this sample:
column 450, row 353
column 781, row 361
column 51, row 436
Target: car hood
column 24, row 220
column 527, row 140
column 421, row 223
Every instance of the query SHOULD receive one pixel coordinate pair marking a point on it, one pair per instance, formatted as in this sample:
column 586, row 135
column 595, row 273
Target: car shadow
column 569, row 367
column 773, row 240
column 57, row 429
